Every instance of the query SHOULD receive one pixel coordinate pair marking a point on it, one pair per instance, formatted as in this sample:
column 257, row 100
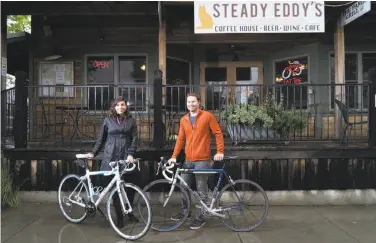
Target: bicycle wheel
column 245, row 188
column 77, row 193
column 134, row 232
column 157, row 193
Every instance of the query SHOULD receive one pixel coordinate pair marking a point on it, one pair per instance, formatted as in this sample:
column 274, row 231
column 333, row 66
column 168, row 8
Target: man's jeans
column 201, row 182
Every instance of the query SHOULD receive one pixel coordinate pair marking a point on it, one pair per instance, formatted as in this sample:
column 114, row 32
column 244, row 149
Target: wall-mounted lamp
column 278, row 79
column 52, row 57
column 143, row 67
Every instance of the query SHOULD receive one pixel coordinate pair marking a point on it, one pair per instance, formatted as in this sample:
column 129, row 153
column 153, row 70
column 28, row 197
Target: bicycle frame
column 215, row 192
column 116, row 179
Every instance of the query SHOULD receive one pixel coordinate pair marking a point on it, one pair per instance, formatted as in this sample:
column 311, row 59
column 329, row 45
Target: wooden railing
column 75, row 113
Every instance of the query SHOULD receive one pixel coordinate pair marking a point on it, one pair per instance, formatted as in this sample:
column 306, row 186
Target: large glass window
column 357, row 95
column 130, row 83
column 100, row 72
column 291, row 73
column 132, row 80
column 215, row 94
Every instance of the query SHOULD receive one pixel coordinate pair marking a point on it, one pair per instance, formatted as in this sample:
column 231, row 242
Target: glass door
column 215, row 76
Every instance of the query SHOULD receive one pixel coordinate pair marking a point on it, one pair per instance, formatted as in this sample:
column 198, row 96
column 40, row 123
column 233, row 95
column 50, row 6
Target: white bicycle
column 83, row 194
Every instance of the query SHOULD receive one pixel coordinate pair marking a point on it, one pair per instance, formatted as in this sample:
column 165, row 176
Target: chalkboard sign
column 58, row 75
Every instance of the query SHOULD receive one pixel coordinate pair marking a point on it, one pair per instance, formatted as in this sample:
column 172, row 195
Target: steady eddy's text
column 235, row 10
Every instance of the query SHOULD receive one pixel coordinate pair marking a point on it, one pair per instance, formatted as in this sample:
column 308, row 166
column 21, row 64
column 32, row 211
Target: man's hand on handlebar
column 171, row 161
column 218, row 157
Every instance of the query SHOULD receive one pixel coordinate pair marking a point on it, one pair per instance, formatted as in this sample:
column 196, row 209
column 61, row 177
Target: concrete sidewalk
column 43, row 223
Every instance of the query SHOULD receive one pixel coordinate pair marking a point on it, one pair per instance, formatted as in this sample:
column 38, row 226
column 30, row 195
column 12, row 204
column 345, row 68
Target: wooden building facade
column 83, row 54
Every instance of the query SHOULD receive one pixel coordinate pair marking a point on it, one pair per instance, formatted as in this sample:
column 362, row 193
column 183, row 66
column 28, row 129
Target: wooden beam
column 80, row 8
column 179, row 38
column 149, row 21
column 162, row 56
column 339, row 72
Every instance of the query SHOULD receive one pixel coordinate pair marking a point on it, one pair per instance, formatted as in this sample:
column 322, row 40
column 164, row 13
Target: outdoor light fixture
column 52, row 57
column 143, row 67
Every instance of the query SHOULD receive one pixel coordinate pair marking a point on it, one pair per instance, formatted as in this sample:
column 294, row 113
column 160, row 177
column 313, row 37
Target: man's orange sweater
column 197, row 138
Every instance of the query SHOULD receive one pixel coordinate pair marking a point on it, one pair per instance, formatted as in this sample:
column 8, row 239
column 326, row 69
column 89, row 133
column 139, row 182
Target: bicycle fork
column 121, row 191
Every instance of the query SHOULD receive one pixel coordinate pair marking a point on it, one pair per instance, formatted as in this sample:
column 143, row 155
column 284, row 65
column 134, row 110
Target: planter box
column 243, row 133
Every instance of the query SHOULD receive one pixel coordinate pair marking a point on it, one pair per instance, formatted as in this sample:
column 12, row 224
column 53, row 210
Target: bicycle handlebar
column 120, row 162
column 172, row 165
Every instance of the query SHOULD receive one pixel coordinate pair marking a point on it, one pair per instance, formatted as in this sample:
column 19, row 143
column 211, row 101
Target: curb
column 277, row 198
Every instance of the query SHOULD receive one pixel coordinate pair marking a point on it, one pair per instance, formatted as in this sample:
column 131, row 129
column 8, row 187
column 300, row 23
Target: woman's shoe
column 120, row 222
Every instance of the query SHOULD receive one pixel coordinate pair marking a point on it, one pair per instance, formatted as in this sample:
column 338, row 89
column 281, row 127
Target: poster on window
column 59, row 76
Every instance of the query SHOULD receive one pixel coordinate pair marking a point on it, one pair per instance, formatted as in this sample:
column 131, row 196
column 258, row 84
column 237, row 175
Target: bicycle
column 153, row 190
column 76, row 196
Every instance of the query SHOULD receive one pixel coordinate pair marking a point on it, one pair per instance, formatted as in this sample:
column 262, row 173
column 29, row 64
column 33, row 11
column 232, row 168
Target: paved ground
column 43, row 223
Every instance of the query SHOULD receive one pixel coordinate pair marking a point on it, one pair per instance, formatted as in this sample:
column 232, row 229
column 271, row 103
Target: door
column 230, row 73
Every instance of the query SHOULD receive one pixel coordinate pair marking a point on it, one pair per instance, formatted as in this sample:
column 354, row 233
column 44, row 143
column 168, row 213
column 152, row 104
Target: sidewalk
column 43, row 223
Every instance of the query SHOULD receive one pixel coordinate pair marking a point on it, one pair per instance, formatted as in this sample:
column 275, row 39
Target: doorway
column 231, row 73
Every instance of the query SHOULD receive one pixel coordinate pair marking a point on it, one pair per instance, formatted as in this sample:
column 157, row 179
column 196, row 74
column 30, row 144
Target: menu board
column 60, row 76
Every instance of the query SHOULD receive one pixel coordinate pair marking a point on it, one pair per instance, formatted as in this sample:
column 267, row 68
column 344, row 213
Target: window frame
column 359, row 55
column 309, row 88
column 117, row 75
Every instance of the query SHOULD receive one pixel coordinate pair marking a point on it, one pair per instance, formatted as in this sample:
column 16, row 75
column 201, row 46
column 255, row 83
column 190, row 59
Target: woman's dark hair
column 112, row 112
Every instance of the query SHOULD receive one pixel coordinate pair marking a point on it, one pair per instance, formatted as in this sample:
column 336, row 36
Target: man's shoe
column 133, row 218
column 180, row 216
column 197, row 224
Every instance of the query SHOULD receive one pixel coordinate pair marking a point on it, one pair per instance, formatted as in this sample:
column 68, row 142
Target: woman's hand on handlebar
column 130, row 159
column 89, row 155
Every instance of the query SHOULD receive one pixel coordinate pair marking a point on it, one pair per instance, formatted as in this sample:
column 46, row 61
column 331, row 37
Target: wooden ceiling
column 141, row 18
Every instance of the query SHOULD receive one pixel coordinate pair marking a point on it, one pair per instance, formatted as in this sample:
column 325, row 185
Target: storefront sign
column 259, row 17
column 355, row 11
column 100, row 64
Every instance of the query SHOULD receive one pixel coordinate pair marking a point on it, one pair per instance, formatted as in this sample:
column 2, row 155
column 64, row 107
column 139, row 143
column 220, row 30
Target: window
column 357, row 95
column 178, row 74
column 132, row 80
column 100, row 72
column 129, row 83
column 368, row 61
column 290, row 73
column 215, row 94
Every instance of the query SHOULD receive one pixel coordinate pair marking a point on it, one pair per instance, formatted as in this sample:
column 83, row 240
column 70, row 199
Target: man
column 194, row 131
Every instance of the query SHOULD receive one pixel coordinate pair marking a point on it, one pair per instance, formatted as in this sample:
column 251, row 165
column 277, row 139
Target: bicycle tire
column 148, row 223
column 266, row 204
column 79, row 220
column 184, row 191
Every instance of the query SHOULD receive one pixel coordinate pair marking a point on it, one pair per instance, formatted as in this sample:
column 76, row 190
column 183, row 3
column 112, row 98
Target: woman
column 119, row 137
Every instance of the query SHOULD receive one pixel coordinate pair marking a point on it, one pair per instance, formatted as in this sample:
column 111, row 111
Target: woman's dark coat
column 119, row 140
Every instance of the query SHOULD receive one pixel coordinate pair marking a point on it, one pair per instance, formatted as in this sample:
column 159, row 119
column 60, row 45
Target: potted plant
column 266, row 121
column 246, row 122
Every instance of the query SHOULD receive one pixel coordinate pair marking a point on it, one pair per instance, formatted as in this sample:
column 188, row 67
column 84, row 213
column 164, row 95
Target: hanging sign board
column 259, row 17
column 355, row 11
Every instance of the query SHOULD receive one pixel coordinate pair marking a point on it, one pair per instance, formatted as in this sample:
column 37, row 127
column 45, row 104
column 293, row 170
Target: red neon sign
column 100, row 64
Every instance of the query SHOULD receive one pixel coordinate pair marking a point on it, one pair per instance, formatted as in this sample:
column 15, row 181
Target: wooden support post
column 158, row 138
column 162, row 57
column 20, row 121
column 3, row 47
column 339, row 70
column 372, row 108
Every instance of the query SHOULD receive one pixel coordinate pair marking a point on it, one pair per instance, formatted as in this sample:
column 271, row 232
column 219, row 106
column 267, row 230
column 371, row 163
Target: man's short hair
column 194, row 95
